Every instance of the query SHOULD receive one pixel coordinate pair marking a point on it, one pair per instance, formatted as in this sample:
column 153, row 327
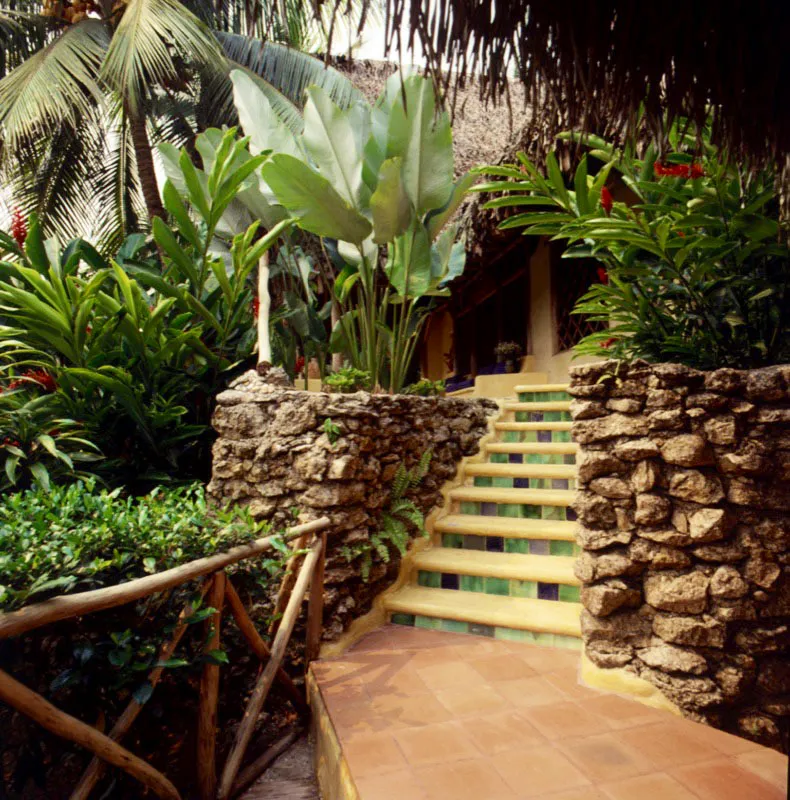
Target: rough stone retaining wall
column 273, row 456
column 684, row 512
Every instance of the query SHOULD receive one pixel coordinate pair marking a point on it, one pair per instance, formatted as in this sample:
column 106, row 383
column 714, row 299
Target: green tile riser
column 543, row 397
column 538, row 547
column 516, row 511
column 486, row 482
column 506, row 634
column 542, row 416
column 499, row 586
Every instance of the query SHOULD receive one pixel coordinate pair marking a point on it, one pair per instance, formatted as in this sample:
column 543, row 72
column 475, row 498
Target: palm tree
column 88, row 87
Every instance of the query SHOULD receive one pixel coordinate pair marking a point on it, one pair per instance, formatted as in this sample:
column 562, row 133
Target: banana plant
column 363, row 178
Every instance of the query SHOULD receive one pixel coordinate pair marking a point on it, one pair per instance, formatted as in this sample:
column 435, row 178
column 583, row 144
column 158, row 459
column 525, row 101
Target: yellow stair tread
column 508, row 527
column 539, row 616
column 533, row 426
column 548, row 471
column 534, row 448
column 539, row 405
column 510, row 566
column 526, row 497
column 541, row 387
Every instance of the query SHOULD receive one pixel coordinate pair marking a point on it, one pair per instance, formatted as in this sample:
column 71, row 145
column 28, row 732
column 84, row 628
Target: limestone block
column 704, row 631
column 696, row 487
column 645, row 476
column 594, row 464
column 684, row 593
column 687, row 450
column 614, row 488
column 605, row 598
column 609, row 427
column 591, row 539
column 728, row 584
column 636, row 450
column 625, row 405
column 669, row 658
column 721, row 430
column 587, row 409
column 652, row 509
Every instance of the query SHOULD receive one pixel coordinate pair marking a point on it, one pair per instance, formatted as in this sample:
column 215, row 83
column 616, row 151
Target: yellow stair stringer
column 378, row 614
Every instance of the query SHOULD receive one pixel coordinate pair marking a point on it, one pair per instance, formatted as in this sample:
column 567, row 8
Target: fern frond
column 400, row 483
column 421, row 470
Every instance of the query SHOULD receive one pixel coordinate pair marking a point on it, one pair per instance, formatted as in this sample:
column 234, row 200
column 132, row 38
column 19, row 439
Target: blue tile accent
column 450, row 581
column 515, row 458
column 544, row 436
column 495, row 544
column 488, row 509
column 539, row 547
column 521, row 483
column 548, row 591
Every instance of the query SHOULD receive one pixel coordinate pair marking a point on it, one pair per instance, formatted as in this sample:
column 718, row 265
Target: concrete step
column 534, row 448
column 538, row 616
column 523, row 497
column 507, row 527
column 548, row 471
column 510, row 566
column 541, row 388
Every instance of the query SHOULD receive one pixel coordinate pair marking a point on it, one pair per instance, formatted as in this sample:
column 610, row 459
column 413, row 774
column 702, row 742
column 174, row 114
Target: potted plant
column 509, row 353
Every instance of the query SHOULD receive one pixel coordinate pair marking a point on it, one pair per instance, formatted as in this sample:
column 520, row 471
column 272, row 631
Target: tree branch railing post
column 105, row 747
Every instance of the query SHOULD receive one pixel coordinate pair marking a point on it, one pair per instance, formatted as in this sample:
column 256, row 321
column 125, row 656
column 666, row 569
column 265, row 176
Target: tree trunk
column 145, row 165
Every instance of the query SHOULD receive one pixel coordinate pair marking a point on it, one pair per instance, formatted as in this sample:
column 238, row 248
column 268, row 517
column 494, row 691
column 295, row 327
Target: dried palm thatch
column 596, row 63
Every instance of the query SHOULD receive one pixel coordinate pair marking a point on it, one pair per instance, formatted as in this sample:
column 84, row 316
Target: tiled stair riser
column 517, row 511
column 499, row 586
column 501, row 544
column 495, row 632
column 531, row 458
column 523, row 483
column 536, row 436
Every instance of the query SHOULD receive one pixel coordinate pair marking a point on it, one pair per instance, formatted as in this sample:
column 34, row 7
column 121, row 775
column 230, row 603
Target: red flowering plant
column 694, row 262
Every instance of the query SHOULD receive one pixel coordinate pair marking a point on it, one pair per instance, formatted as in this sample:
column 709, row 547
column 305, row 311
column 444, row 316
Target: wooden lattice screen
column 570, row 279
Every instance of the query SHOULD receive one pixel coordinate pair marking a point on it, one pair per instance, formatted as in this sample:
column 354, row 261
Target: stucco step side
column 539, row 616
column 534, row 448
column 507, row 527
column 548, row 405
column 541, row 388
column 548, row 471
column 510, row 566
column 532, row 426
column 522, row 497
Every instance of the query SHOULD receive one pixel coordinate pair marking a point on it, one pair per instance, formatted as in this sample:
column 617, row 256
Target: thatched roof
column 481, row 129
column 582, row 60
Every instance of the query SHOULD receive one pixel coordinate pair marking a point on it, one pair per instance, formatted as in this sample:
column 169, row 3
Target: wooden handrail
column 261, row 690
column 32, row 705
column 75, row 605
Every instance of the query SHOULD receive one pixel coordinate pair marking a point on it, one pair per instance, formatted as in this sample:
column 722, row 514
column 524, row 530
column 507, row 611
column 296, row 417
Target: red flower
column 609, row 342
column 299, row 365
column 19, row 227
column 678, row 170
column 256, row 307
column 603, row 275
column 41, row 377
column 606, row 200
column 681, row 234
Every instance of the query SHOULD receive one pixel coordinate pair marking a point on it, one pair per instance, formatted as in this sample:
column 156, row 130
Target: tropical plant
column 695, row 267
column 86, row 87
column 137, row 354
column 38, row 446
column 508, row 351
column 360, row 178
column 399, row 519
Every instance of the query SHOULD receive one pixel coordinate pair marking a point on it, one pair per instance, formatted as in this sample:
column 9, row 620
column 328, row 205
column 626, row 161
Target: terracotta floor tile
column 373, row 755
column 584, row 793
column 436, row 744
column 473, row 647
column 726, row 743
column 528, row 692
column 538, row 772
column 620, row 712
column 502, row 667
column 464, row 780
column 344, row 692
column 410, row 711
column 605, row 758
column 546, row 659
column 725, row 780
column 430, row 656
column 568, row 681
column 768, row 764
column 449, row 674
column 657, row 786
column 396, row 679
column 565, row 720
column 402, row 785
column 467, row 701
column 498, row 733
column 668, row 744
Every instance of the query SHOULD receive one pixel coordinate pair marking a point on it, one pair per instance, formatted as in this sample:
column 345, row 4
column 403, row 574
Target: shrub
column 80, row 537
column 508, row 351
column 426, row 388
column 696, row 270
column 348, row 379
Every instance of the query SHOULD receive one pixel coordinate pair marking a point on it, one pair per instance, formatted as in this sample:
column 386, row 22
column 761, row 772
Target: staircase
column 501, row 560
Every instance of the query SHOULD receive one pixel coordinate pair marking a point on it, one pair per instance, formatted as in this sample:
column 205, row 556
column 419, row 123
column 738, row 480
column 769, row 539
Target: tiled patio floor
column 429, row 715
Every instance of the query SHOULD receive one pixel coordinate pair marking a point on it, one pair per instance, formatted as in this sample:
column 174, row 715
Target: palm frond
column 121, row 208
column 151, row 39
column 23, row 32
column 288, row 70
column 54, row 86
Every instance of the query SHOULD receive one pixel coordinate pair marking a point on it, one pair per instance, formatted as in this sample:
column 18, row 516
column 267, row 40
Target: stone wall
column 683, row 507
column 273, row 455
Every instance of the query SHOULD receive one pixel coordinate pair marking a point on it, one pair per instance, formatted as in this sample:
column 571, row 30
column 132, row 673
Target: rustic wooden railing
column 218, row 591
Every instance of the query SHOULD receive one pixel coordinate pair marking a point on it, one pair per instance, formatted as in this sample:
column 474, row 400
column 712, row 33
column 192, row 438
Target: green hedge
column 81, row 537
